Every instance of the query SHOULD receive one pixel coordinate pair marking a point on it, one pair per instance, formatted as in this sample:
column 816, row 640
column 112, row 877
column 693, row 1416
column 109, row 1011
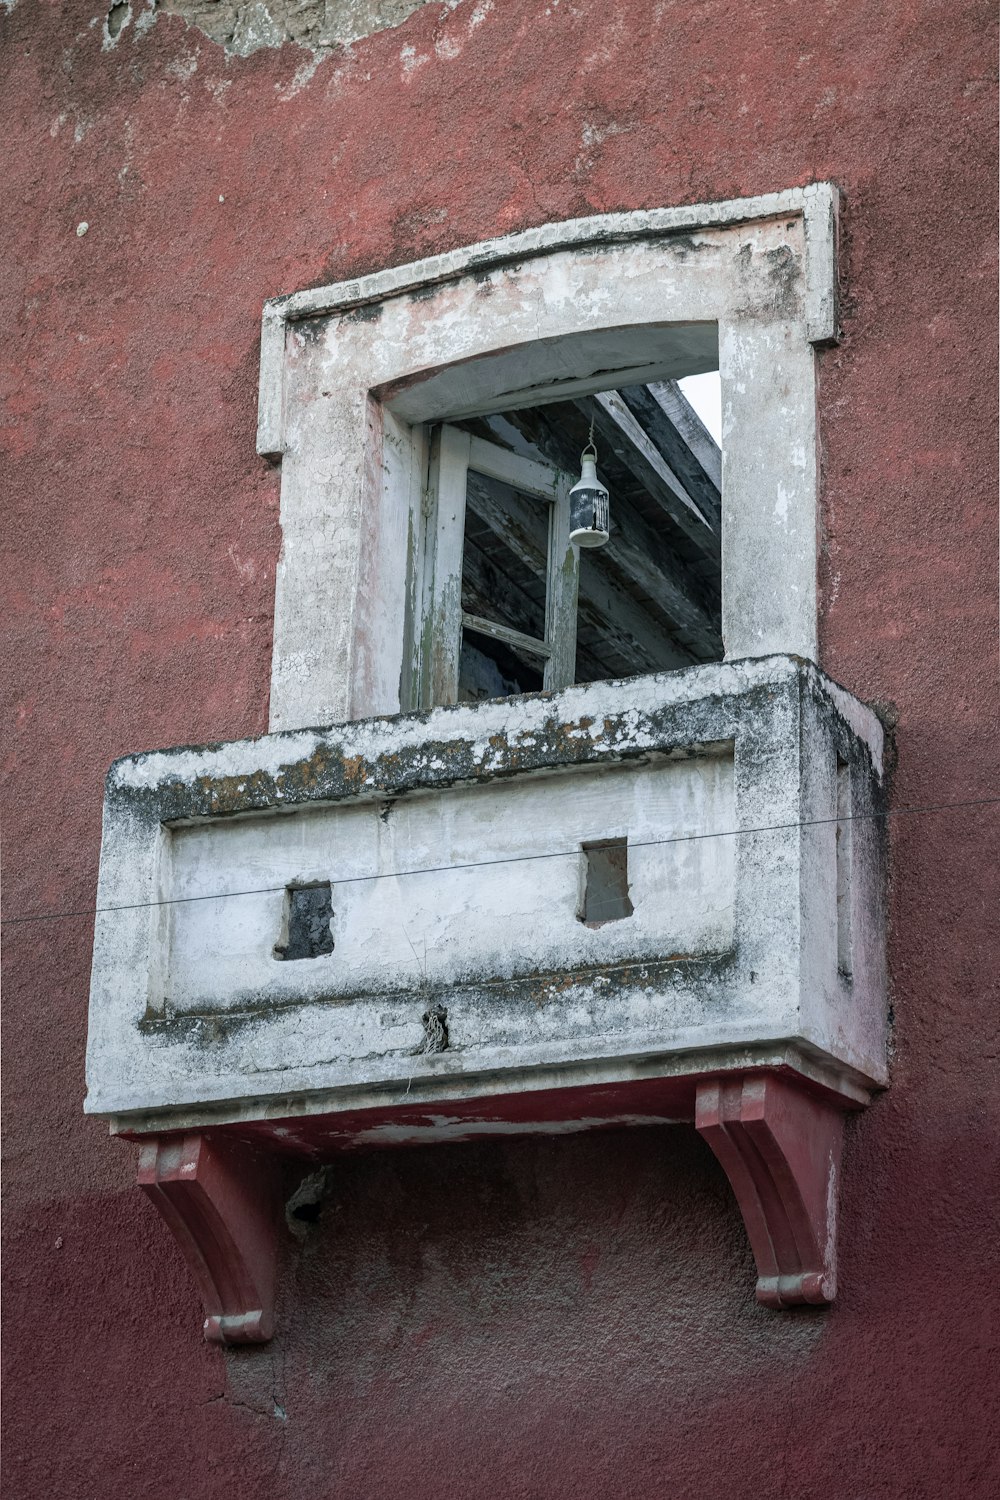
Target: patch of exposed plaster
column 146, row 18
column 118, row 17
column 246, row 26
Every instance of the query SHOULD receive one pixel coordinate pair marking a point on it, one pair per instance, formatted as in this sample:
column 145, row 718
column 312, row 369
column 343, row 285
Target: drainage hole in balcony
column 306, row 931
column 605, row 882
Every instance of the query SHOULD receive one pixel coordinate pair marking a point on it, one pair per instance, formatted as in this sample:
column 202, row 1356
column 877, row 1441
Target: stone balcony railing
column 651, row 900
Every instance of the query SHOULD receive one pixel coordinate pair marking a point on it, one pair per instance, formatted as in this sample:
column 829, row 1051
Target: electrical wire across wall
column 912, row 809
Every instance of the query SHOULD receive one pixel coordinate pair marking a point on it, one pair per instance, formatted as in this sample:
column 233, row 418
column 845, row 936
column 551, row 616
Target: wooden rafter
column 638, row 554
column 635, row 449
column 604, row 603
column 672, row 424
column 651, row 600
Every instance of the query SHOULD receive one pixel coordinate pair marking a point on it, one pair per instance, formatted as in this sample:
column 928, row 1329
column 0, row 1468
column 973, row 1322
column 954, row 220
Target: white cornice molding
column 817, row 203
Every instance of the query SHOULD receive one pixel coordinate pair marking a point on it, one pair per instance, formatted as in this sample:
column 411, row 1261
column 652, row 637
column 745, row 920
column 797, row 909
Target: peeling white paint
column 732, row 949
column 466, row 331
column 412, row 60
column 183, row 68
column 302, row 77
column 781, row 504
column 443, row 1128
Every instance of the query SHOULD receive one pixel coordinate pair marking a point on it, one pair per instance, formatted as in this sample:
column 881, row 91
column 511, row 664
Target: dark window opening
column 504, row 560
column 605, row 889
column 504, row 585
column 308, row 914
column 651, row 599
column 491, row 669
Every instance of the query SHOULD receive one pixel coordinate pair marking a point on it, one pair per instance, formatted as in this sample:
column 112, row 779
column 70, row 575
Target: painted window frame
column 454, row 455
column 344, row 370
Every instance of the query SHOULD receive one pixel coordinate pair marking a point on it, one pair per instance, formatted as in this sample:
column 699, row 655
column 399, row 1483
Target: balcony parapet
column 552, row 912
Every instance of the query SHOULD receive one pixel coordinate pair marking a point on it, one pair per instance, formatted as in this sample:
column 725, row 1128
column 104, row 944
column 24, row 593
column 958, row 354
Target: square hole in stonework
column 605, row 890
column 306, row 929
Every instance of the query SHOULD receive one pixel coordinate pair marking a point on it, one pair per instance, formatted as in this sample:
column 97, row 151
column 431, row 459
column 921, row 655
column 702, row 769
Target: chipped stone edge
column 487, row 728
column 430, row 1089
column 818, row 204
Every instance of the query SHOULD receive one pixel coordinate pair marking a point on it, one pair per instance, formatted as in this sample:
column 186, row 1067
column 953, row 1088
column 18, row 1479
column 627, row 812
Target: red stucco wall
column 557, row 1319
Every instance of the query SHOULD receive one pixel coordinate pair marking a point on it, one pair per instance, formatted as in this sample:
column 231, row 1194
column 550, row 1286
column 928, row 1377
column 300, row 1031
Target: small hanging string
column 591, row 445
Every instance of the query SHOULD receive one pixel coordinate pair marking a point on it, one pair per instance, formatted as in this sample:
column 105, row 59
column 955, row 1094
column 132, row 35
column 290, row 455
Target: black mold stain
column 366, row 312
column 536, row 990
column 335, row 771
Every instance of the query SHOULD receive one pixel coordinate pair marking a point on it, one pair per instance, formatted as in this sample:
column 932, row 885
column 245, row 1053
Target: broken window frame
column 655, row 610
column 454, row 454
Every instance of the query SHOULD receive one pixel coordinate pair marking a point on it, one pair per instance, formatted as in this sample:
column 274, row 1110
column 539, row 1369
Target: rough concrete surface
column 317, row 24
column 574, row 1318
column 732, row 943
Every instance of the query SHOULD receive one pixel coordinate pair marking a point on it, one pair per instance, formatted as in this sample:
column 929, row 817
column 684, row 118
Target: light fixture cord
column 591, row 444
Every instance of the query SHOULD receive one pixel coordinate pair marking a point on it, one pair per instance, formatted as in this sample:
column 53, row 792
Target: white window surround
column 350, row 373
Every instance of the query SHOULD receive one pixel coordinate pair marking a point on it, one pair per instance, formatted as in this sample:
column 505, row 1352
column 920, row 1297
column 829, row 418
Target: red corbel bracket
column 780, row 1148
column 221, row 1201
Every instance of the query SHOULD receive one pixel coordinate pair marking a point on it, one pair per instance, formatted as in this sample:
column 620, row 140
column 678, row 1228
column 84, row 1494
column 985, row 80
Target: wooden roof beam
column 636, row 551
column 634, row 447
column 673, row 425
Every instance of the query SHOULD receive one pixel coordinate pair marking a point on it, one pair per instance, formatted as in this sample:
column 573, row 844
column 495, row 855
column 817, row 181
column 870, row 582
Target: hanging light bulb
column 589, row 515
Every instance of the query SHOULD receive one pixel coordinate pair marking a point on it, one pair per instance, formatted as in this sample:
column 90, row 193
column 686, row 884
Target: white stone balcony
column 553, row 912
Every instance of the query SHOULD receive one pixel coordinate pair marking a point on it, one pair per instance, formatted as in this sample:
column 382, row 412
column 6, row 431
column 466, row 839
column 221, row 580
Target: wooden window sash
column 453, row 454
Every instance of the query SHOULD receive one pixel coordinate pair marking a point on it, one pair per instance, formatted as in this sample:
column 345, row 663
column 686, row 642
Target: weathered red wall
column 574, row 1317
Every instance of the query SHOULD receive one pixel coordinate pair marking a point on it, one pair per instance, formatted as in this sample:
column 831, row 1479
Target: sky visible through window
column 705, row 394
